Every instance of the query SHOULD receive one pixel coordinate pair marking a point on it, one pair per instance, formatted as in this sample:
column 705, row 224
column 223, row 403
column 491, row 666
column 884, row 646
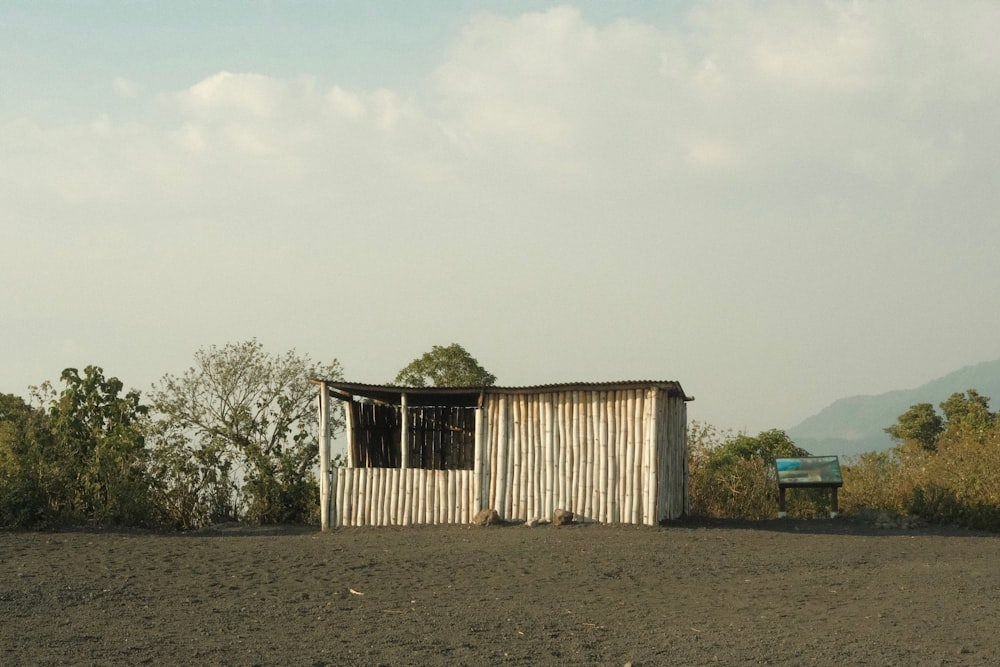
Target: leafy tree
column 766, row 446
column 252, row 419
column 920, row 424
column 81, row 460
column 24, row 446
column 732, row 476
column 449, row 366
column 99, row 435
column 967, row 409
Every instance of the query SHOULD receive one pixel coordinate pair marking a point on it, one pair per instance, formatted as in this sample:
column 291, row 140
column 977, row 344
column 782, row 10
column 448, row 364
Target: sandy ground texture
column 778, row 593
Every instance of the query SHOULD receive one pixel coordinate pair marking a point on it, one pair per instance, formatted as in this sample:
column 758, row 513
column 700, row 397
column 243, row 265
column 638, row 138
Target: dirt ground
column 779, row 593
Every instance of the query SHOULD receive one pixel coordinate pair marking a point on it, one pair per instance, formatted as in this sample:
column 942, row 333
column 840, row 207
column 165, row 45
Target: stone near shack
column 486, row 517
column 562, row 517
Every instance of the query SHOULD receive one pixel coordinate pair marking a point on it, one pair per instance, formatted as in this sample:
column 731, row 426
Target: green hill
column 854, row 425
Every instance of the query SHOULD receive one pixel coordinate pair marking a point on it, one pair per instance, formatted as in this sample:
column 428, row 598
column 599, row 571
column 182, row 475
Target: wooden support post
column 324, row 457
column 404, row 433
column 349, row 431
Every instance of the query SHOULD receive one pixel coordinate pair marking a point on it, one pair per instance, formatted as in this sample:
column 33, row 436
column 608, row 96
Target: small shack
column 612, row 452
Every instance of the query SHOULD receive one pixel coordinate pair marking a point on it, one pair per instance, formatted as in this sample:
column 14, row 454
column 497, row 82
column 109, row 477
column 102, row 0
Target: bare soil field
column 771, row 593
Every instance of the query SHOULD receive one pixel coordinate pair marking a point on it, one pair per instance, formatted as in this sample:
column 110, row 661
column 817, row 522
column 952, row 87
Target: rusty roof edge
column 360, row 387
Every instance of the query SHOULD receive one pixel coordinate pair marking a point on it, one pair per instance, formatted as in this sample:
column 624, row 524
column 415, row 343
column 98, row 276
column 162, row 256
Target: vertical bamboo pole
column 513, row 441
column 349, row 432
column 392, row 484
column 560, row 453
column 407, row 491
column 374, row 504
column 596, row 418
column 515, row 500
column 418, row 495
column 451, row 477
column 648, row 459
column 676, row 483
column 492, row 413
column 558, row 460
column 467, row 496
column 384, row 491
column 638, row 484
column 431, row 491
column 502, row 450
column 386, row 474
column 479, row 461
column 530, row 496
column 537, row 410
column 362, row 480
column 371, row 491
column 614, row 513
column 603, row 458
column 338, row 489
column 349, row 492
column 587, row 435
column 662, row 399
column 324, row 457
column 566, row 451
column 401, row 495
column 623, row 422
column 548, row 446
column 436, row 504
column 531, row 461
column 578, row 451
column 372, row 514
column 404, row 432
column 528, row 474
column 629, row 455
column 343, row 496
column 592, row 476
column 441, row 480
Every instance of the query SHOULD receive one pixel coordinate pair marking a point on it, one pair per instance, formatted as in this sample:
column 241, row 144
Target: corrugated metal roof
column 470, row 395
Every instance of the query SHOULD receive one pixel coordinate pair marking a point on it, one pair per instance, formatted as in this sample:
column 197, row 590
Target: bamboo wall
column 615, row 456
column 402, row 496
column 608, row 456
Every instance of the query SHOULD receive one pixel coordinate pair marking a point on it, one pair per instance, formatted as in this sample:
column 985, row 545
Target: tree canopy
column 919, row 424
column 449, row 366
column 922, row 426
column 766, row 446
column 245, row 407
column 77, row 456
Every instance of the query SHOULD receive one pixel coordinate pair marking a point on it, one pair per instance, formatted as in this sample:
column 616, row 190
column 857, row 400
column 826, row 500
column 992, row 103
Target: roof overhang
column 472, row 396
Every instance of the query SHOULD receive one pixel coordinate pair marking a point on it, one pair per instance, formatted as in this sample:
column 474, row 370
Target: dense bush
column 733, row 475
column 232, row 439
column 245, row 421
column 955, row 481
column 76, row 457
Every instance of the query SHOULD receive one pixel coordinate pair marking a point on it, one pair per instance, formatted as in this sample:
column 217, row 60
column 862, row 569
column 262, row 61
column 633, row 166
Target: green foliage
column 968, row 410
column 448, row 366
column 766, row 446
column 239, row 429
column 732, row 475
column 920, row 424
column 80, row 461
column 953, row 478
column 25, row 442
column 102, row 432
column 191, row 486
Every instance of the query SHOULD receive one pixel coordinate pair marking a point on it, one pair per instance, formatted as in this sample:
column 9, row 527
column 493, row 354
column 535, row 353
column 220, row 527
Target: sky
column 776, row 204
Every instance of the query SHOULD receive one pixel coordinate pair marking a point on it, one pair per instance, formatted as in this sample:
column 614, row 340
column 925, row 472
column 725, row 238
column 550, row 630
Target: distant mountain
column 855, row 425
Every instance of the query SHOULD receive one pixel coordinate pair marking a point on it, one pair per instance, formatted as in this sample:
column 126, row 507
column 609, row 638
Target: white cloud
column 724, row 201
